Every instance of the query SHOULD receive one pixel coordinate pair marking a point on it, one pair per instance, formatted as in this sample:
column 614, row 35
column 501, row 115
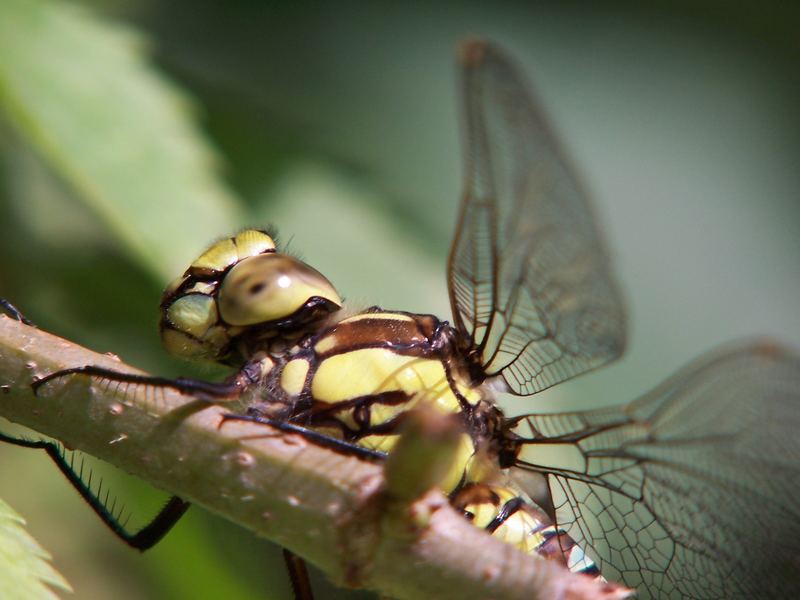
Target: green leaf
column 318, row 208
column 79, row 90
column 25, row 572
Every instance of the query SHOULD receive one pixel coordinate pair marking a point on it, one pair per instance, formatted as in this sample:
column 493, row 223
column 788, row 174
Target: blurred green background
column 132, row 132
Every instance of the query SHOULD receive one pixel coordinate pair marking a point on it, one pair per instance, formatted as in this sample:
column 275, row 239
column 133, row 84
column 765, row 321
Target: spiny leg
column 298, row 576
column 144, row 539
column 320, row 439
column 159, row 526
column 14, row 312
column 209, row 390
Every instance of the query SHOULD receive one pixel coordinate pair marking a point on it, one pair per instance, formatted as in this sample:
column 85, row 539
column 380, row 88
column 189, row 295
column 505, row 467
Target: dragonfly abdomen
column 508, row 516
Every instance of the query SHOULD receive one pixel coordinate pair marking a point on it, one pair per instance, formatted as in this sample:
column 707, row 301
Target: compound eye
column 222, row 254
column 271, row 287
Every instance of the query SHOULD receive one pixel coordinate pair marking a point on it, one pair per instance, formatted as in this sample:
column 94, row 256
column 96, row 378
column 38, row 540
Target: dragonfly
column 689, row 491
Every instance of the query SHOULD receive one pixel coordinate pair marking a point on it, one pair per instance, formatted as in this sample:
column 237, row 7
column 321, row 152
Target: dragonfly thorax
column 360, row 378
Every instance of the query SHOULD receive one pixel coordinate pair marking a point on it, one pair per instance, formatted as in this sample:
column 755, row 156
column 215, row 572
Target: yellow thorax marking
column 293, row 377
column 327, row 343
column 371, row 371
column 387, row 316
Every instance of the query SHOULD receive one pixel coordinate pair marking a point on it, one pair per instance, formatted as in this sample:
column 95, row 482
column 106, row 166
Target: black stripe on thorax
column 414, row 337
column 324, row 414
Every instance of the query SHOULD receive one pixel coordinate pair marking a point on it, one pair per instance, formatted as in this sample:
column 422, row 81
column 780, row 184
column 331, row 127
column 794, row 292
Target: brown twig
column 330, row 509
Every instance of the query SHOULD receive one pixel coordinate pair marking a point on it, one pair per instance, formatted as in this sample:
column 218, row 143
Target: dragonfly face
column 689, row 491
column 239, row 291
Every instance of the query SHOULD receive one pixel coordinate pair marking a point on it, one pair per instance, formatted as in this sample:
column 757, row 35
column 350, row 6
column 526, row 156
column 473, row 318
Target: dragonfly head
column 241, row 286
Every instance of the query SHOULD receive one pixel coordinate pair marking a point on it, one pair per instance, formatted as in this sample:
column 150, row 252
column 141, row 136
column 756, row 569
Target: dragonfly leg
column 143, row 539
column 315, row 437
column 14, row 312
column 506, row 512
column 298, row 575
column 205, row 390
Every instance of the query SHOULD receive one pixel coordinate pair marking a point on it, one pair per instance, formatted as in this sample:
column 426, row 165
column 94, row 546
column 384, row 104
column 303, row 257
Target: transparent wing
column 692, row 490
column 532, row 295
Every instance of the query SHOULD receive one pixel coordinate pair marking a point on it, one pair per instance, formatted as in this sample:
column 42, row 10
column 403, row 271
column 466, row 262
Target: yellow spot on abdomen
column 521, row 529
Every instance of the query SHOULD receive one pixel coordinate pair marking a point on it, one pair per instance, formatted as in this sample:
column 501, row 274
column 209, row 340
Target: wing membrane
column 532, row 295
column 692, row 490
